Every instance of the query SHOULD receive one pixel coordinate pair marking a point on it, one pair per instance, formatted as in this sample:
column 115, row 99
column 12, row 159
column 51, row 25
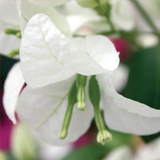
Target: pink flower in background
column 122, row 46
column 86, row 139
column 5, row 128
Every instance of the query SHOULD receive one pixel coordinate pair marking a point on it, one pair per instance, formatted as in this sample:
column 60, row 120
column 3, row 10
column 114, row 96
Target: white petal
column 39, row 47
column 45, row 112
column 8, row 42
column 58, row 19
column 9, row 13
column 126, row 115
column 12, row 87
column 102, row 50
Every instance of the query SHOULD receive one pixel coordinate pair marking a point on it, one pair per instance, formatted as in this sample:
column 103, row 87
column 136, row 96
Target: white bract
column 43, row 110
column 12, row 88
column 50, row 60
column 50, row 57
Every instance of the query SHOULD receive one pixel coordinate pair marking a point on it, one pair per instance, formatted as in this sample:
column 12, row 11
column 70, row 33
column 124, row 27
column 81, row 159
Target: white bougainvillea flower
column 50, row 57
column 43, row 110
column 12, row 88
column 9, row 18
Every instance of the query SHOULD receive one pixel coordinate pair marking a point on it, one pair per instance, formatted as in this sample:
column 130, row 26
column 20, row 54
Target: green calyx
column 13, row 53
column 94, row 94
column 81, row 82
column 72, row 99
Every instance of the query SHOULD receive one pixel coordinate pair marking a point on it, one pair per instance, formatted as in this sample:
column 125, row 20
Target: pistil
column 81, row 95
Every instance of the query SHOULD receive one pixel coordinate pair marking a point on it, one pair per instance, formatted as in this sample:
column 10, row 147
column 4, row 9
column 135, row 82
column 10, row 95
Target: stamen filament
column 72, row 99
column 81, row 95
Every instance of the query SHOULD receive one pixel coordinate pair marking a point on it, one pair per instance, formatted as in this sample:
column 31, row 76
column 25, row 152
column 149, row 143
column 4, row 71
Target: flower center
column 77, row 94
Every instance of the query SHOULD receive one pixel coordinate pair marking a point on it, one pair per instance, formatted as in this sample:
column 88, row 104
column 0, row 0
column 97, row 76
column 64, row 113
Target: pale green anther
column 19, row 35
column 13, row 53
column 90, row 3
column 72, row 99
column 81, row 82
column 94, row 95
column 11, row 31
column 103, row 136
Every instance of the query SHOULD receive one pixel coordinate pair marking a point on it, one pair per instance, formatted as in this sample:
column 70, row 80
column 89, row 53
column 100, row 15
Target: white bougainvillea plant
column 74, row 72
column 62, row 73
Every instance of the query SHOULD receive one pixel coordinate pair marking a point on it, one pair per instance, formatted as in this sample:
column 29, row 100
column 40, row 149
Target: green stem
column 107, row 17
column 99, row 119
column 68, row 115
column 145, row 16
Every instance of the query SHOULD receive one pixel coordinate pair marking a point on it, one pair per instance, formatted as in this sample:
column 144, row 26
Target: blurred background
column 137, row 78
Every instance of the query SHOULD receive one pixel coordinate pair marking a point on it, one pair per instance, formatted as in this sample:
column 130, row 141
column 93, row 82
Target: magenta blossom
column 5, row 128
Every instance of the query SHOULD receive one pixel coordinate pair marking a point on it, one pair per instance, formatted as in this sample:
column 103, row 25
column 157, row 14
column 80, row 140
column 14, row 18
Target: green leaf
column 92, row 152
column 144, row 79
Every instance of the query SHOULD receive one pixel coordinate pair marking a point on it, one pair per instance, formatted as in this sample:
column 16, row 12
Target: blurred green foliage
column 144, row 80
column 5, row 65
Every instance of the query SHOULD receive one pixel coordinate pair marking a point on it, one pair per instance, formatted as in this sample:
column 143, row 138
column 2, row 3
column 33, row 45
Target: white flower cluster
column 50, row 59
